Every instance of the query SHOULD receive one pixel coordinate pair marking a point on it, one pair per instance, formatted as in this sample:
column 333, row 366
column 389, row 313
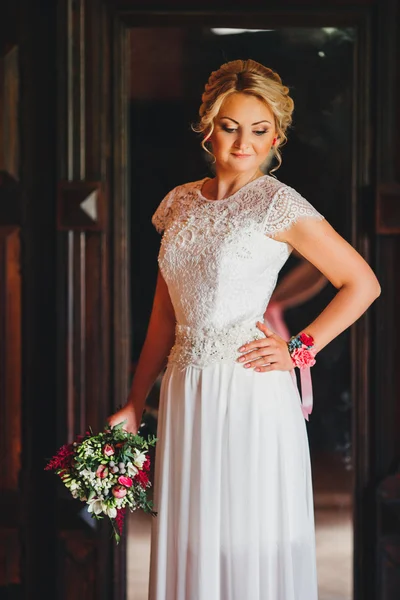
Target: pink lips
column 242, row 155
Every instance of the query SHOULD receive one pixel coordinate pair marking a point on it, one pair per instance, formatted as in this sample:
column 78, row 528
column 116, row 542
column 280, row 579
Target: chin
column 243, row 165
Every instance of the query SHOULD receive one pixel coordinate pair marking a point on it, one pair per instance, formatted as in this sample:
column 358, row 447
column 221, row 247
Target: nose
column 242, row 141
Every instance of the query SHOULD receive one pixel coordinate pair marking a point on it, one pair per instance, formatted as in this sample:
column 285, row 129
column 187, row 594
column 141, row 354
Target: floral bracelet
column 302, row 350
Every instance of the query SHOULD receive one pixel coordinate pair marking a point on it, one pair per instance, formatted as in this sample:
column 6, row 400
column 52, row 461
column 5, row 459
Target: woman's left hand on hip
column 267, row 354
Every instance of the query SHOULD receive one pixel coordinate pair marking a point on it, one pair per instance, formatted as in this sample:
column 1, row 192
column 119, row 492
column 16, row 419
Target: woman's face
column 244, row 131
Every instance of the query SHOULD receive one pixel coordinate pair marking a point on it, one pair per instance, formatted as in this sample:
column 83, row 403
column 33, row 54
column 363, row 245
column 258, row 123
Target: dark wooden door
column 10, row 316
column 64, row 332
column 64, row 360
column 92, row 281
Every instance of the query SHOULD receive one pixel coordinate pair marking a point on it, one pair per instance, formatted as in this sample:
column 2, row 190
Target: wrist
column 302, row 350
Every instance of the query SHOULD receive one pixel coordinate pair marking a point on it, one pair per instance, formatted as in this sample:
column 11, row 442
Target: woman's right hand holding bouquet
column 126, row 413
column 158, row 343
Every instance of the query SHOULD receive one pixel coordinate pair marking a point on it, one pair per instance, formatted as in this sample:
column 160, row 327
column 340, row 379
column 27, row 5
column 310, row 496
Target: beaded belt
column 200, row 347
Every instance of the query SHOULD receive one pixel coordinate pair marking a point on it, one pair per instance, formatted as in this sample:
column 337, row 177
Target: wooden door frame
column 363, row 185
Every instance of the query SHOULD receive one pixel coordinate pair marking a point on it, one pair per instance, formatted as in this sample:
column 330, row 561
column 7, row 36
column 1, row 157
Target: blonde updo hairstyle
column 246, row 77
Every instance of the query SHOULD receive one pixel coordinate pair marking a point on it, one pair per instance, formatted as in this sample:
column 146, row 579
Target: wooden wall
column 11, row 369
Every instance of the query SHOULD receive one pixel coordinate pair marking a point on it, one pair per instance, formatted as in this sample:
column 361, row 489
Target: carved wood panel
column 388, row 209
column 9, row 106
column 77, row 560
column 10, row 404
column 85, row 280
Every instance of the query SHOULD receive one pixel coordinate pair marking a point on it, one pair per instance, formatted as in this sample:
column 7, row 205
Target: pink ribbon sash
column 306, row 391
column 275, row 321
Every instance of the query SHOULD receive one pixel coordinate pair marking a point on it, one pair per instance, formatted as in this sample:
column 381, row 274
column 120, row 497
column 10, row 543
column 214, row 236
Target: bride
column 233, row 481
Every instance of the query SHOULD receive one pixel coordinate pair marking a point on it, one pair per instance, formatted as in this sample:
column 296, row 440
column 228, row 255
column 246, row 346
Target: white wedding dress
column 233, row 485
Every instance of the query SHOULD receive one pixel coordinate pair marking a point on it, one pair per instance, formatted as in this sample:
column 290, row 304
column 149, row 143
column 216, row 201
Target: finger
column 268, row 332
column 256, row 344
column 262, row 362
column 265, row 368
column 270, row 351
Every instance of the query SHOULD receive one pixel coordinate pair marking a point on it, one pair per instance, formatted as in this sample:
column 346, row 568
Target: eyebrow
column 257, row 123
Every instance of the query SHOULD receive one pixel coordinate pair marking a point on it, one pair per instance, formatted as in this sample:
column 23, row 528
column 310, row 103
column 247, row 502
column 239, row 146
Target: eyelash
column 258, row 133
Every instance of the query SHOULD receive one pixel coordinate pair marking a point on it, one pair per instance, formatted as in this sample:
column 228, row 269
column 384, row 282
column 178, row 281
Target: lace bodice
column 221, row 263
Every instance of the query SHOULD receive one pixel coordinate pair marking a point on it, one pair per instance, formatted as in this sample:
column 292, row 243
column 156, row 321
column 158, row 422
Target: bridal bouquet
column 108, row 471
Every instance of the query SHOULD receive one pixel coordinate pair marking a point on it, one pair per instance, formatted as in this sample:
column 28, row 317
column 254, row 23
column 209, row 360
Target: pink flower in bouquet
column 118, row 491
column 92, row 484
column 102, row 471
column 108, row 450
column 307, row 340
column 125, row 481
column 303, row 358
column 142, row 479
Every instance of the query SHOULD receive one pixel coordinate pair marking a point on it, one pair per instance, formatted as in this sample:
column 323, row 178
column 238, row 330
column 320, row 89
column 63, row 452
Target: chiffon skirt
column 233, row 488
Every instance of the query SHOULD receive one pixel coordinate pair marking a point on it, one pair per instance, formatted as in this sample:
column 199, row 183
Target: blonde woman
column 233, row 483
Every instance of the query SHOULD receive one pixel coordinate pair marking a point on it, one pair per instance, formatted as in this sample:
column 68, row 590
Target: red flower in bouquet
column 119, row 519
column 62, row 460
column 142, row 479
column 107, row 472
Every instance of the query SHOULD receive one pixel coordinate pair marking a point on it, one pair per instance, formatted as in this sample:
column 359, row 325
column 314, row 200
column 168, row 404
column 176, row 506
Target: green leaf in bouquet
column 119, row 426
column 128, row 453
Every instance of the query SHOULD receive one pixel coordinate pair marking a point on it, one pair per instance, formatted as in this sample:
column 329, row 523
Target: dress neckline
column 204, row 199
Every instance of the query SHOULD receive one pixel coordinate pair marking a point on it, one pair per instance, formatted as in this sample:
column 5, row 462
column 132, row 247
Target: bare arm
column 348, row 272
column 302, row 283
column 341, row 264
column 158, row 343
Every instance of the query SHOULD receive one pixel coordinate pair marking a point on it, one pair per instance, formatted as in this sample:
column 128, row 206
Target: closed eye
column 228, row 129
column 258, row 132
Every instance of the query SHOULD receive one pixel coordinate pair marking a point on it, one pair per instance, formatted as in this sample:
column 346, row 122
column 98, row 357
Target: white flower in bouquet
column 110, row 511
column 108, row 471
column 132, row 470
column 139, row 458
column 95, row 506
column 88, row 452
column 87, row 474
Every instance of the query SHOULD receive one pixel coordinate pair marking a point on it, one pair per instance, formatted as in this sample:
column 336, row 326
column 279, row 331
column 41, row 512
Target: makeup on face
column 226, row 121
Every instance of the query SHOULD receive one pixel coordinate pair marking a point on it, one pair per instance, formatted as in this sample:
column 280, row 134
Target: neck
column 226, row 184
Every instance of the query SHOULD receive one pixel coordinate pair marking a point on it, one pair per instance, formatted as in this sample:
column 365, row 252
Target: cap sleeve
column 288, row 207
column 163, row 213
